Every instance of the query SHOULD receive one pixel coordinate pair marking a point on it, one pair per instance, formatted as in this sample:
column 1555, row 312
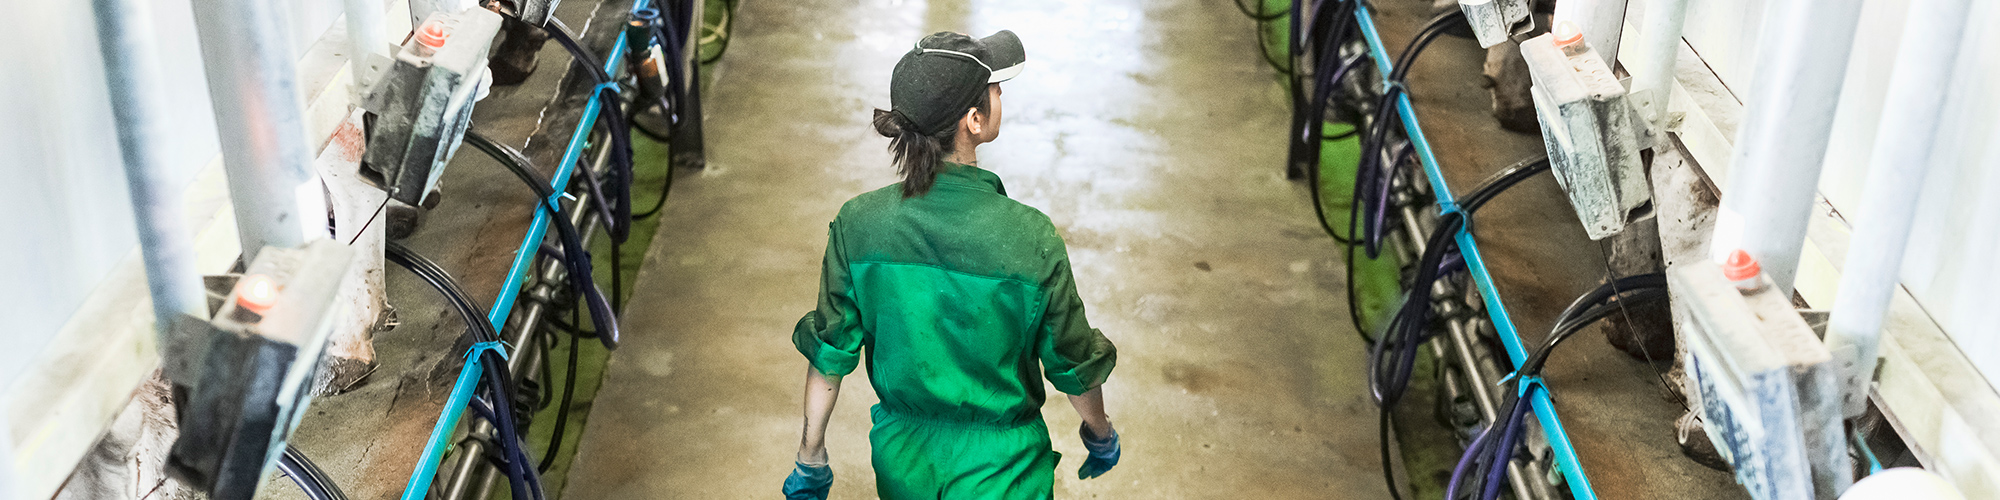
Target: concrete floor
column 1148, row 130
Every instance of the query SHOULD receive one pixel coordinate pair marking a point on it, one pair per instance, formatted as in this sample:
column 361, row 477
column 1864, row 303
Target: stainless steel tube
column 131, row 68
column 1525, row 477
column 1795, row 85
column 1661, row 43
column 366, row 44
column 1896, row 171
column 259, row 116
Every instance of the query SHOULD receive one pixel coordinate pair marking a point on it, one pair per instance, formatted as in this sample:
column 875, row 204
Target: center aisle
column 1150, row 131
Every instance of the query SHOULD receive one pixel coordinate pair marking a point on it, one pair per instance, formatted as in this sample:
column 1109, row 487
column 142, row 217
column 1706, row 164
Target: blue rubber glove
column 809, row 482
column 1103, row 453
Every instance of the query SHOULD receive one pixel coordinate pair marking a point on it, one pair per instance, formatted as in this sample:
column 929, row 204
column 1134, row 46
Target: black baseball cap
column 946, row 72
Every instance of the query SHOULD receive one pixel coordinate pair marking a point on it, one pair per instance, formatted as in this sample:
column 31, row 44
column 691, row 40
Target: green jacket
column 957, row 294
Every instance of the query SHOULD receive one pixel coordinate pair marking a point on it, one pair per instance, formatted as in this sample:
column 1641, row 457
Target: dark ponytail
column 919, row 157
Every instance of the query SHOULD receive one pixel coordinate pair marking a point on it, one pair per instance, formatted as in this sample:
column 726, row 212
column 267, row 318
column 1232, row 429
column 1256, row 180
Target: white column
column 1795, row 86
column 1896, row 170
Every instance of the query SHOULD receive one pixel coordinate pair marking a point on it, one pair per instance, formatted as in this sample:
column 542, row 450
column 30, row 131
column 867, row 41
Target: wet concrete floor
column 1152, row 134
column 1149, row 131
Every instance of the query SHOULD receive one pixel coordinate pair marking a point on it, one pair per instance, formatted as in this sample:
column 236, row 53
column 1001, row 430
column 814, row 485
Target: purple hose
column 1452, row 263
column 1465, row 463
column 1382, row 196
column 1505, row 453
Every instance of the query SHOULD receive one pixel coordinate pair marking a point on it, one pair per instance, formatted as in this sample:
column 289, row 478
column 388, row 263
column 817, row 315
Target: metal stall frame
column 1566, row 460
column 503, row 306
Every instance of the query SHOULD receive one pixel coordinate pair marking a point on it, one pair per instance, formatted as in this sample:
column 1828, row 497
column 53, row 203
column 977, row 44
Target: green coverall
column 957, row 294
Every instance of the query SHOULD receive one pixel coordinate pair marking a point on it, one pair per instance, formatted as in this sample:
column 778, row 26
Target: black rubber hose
column 1310, row 125
column 1568, row 325
column 1386, row 421
column 611, row 120
column 1313, row 179
column 312, row 470
column 518, row 164
column 526, row 484
column 475, row 319
column 1371, row 168
column 577, row 257
column 1502, row 181
column 308, row 476
column 562, row 409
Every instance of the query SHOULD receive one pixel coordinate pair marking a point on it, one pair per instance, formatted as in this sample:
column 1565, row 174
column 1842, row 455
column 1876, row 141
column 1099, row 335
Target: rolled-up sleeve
column 1075, row 357
column 830, row 337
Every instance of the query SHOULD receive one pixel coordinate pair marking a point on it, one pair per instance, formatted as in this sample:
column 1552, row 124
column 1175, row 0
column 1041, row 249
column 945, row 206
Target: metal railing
column 1564, row 453
column 425, row 473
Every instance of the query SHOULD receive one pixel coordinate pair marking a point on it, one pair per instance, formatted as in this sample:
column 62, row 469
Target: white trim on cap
column 1007, row 73
column 982, row 64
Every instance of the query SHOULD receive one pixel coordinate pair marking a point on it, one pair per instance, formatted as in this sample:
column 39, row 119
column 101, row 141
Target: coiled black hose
column 495, row 365
column 475, row 319
column 525, row 483
column 575, row 256
column 1393, row 357
column 1484, row 463
column 612, row 118
column 308, row 475
column 1372, row 176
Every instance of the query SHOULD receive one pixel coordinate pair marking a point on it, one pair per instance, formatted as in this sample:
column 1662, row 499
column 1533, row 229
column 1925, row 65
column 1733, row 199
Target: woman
column 958, row 293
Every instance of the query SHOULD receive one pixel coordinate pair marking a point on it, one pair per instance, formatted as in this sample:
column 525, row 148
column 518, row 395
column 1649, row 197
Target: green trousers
column 918, row 459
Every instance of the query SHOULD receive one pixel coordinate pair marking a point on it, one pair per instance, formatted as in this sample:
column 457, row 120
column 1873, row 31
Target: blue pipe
column 503, row 306
column 454, row 407
column 1552, row 428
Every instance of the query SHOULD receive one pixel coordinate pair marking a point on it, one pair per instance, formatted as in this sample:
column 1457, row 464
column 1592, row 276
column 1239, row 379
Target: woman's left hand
column 809, row 482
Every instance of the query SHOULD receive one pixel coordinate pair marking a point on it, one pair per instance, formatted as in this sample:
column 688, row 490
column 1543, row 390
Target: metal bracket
column 1589, row 131
column 1766, row 386
column 422, row 105
column 253, row 366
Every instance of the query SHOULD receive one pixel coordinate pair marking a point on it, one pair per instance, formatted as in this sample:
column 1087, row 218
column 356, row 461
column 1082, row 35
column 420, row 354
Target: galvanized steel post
column 131, row 70
column 1659, row 46
column 1901, row 158
column 259, row 117
column 1796, row 77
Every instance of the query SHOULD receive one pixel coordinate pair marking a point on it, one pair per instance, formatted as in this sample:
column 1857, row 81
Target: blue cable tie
column 1528, row 383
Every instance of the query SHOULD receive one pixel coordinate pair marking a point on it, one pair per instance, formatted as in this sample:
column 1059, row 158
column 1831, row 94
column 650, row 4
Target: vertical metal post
column 1661, row 45
column 131, row 68
column 1901, row 158
column 1602, row 23
column 367, row 51
column 259, row 115
column 1802, row 54
column 687, row 142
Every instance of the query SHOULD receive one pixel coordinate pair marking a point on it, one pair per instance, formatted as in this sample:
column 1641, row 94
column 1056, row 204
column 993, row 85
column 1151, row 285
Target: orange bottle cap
column 433, row 35
column 1567, row 34
column 1740, row 266
column 257, row 293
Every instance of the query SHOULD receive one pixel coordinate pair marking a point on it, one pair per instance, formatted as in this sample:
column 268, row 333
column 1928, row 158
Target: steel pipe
column 1659, row 47
column 367, row 48
column 259, row 117
column 1801, row 60
column 131, row 70
column 1897, row 167
column 1601, row 21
